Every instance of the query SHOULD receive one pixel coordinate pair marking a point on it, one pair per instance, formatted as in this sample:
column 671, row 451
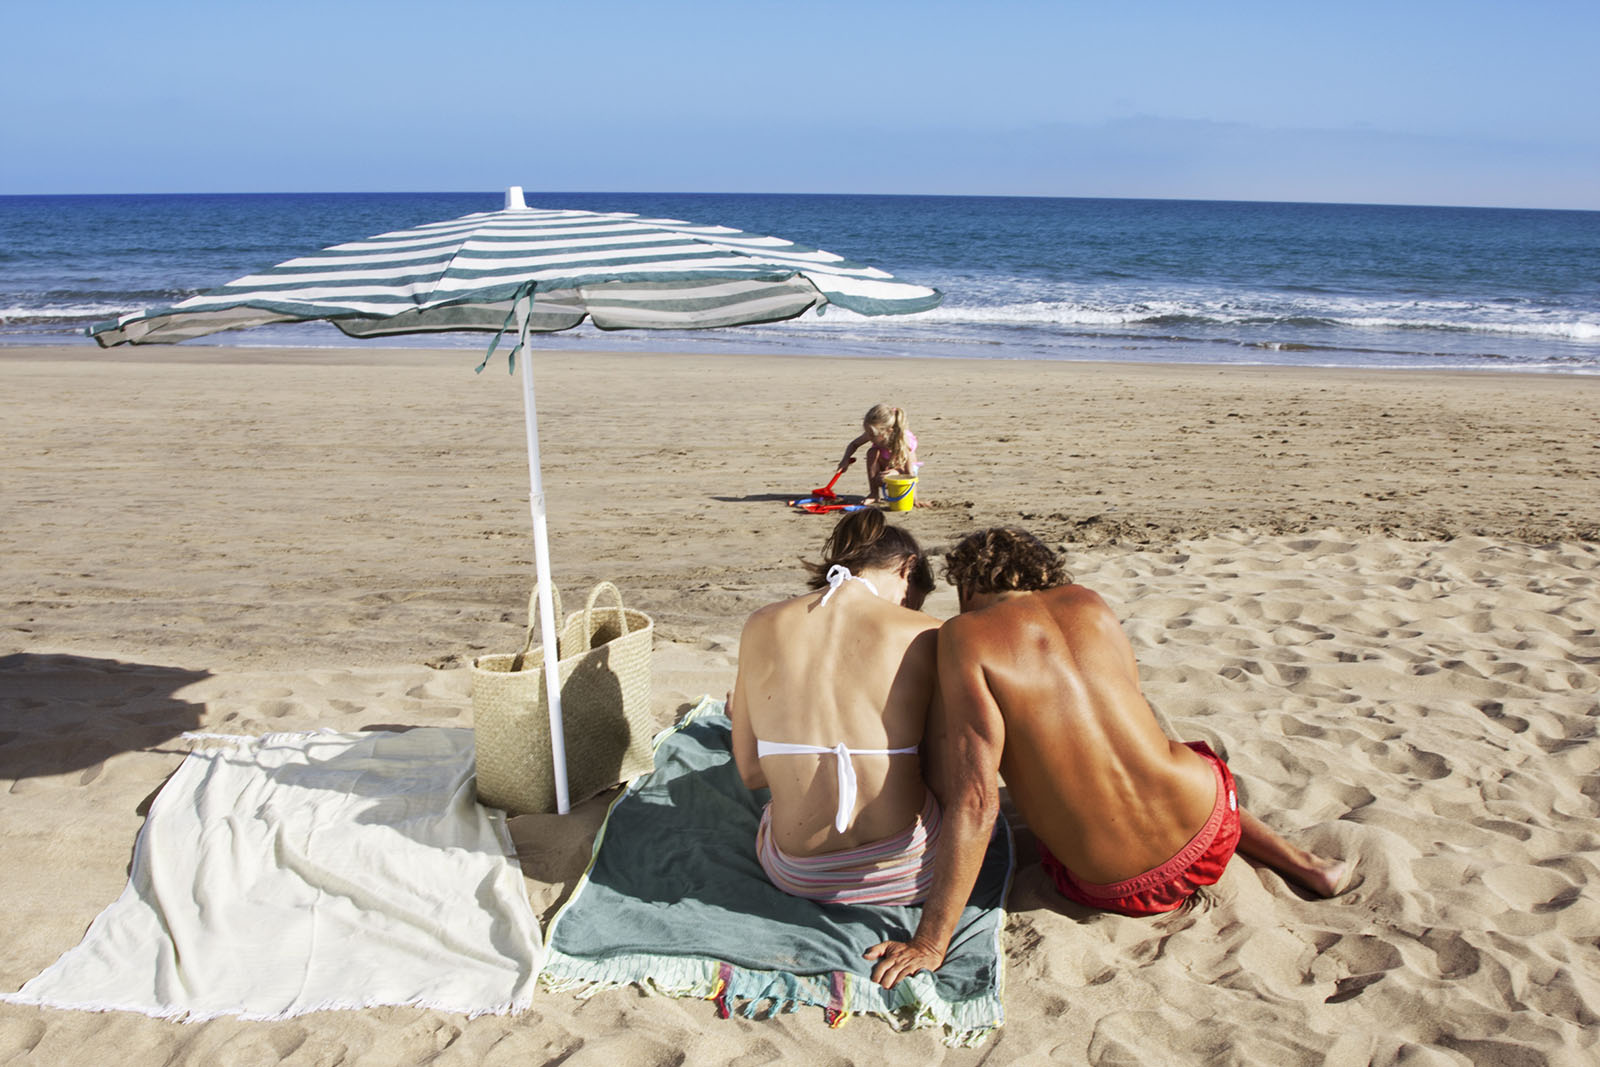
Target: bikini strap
column 837, row 575
column 844, row 769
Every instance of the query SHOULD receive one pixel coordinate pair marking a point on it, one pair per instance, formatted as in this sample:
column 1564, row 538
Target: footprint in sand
column 1407, row 760
column 1454, row 957
column 273, row 1043
column 1352, row 987
column 1516, row 830
column 1241, row 672
column 1530, row 890
column 435, row 1035
column 758, row 1055
column 1365, row 955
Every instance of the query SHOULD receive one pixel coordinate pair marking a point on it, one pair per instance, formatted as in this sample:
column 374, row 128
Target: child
column 894, row 448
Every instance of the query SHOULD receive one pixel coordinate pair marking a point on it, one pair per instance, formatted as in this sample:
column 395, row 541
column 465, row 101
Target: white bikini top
column 846, row 769
column 838, row 574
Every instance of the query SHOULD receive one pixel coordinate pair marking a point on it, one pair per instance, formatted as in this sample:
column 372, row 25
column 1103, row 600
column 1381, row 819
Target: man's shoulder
column 1076, row 598
column 971, row 632
column 1001, row 621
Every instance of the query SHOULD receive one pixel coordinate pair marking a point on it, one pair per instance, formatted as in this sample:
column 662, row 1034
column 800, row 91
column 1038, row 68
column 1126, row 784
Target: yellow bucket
column 899, row 494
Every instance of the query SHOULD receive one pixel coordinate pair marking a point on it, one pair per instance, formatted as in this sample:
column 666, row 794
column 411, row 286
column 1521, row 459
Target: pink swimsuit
column 883, row 453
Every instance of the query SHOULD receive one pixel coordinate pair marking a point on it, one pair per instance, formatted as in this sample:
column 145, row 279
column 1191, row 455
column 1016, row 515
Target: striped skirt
column 895, row 870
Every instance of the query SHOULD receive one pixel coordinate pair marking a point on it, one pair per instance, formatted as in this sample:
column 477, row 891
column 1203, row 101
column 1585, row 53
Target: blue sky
column 1421, row 102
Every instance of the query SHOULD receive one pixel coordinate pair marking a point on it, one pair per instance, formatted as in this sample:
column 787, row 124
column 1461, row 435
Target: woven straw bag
column 604, row 669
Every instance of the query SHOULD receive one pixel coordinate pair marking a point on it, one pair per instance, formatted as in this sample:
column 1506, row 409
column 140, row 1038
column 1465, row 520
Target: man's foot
column 1259, row 844
column 1325, row 878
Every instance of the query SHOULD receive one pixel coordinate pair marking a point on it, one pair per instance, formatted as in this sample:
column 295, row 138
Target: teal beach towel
column 675, row 901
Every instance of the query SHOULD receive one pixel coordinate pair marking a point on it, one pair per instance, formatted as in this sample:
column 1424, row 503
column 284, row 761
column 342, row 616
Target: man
column 1038, row 682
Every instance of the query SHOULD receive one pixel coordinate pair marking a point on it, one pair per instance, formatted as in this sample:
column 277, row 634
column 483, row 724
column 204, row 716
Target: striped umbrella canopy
column 540, row 271
column 618, row 270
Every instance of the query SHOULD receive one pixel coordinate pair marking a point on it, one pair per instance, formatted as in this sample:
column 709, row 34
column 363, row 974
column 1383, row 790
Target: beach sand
column 1374, row 592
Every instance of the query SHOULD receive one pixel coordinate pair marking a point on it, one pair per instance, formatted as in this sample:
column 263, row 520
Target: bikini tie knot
column 837, row 575
column 846, row 771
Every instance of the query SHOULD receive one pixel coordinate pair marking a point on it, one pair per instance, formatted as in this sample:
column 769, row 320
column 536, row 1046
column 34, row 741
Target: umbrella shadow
column 761, row 498
column 554, row 850
column 63, row 713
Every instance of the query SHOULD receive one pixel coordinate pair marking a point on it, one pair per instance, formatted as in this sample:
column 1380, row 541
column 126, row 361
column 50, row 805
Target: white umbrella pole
column 541, row 565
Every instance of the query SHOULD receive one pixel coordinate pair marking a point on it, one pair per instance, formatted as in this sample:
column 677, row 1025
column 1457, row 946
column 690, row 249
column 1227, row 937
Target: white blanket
column 302, row 872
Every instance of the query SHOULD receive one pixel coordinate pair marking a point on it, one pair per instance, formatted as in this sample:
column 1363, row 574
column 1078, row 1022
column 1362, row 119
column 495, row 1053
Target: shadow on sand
column 780, row 498
column 60, row 713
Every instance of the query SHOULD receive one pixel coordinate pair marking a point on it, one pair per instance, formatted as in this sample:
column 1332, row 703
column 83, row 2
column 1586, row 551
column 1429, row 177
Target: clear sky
column 1417, row 102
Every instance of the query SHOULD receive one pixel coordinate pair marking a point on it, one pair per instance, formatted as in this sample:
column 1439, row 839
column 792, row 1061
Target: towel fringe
column 752, row 994
column 185, row 1016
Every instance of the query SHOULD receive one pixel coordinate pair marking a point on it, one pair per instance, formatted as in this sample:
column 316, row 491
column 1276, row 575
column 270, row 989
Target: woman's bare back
column 857, row 671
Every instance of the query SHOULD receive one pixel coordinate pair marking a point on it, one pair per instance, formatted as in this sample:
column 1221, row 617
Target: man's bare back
column 1083, row 756
column 1037, row 680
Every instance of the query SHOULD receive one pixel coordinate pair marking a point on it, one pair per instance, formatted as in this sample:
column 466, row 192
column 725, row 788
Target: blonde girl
column 894, row 448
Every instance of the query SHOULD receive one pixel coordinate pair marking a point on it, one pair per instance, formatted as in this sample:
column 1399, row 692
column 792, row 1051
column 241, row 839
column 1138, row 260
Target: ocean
column 1023, row 278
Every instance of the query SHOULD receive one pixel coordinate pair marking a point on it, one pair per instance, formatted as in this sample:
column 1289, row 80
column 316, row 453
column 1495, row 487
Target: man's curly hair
column 1002, row 559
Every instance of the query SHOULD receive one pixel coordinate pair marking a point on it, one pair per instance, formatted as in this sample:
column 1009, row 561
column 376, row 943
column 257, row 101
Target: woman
column 828, row 711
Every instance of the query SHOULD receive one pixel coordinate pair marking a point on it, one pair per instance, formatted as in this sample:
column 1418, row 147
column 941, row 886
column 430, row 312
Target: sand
column 1375, row 592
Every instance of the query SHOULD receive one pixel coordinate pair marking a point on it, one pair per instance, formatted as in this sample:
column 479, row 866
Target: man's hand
column 902, row 959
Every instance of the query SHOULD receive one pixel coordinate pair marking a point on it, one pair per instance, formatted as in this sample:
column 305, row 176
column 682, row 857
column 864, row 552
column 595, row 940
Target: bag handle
column 588, row 611
column 533, row 621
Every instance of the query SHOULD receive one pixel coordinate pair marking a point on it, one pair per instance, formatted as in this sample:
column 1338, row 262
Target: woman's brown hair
column 863, row 540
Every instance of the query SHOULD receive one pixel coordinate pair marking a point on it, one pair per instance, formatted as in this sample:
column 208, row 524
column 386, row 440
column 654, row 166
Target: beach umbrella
column 535, row 270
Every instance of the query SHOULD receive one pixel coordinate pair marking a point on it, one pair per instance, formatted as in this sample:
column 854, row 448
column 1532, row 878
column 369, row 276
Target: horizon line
column 951, row 196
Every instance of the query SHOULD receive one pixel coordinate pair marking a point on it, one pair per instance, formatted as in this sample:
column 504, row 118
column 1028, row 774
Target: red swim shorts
column 1165, row 888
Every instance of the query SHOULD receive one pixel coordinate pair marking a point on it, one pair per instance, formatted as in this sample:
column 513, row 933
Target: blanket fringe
column 183, row 1015
column 754, row 994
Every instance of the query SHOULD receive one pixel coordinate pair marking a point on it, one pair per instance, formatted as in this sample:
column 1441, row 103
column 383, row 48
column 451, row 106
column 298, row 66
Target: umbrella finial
column 514, row 201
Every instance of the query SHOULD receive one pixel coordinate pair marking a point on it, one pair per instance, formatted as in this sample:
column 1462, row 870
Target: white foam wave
column 1060, row 313
column 1267, row 310
column 41, row 312
column 1263, row 311
column 1565, row 331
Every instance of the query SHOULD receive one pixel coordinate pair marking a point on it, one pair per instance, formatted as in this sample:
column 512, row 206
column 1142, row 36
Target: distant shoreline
column 84, row 348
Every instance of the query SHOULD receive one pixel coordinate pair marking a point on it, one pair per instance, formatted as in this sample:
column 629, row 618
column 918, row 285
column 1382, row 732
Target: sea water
column 1023, row 278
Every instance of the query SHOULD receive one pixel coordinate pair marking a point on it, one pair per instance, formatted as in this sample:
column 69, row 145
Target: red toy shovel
column 826, row 492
